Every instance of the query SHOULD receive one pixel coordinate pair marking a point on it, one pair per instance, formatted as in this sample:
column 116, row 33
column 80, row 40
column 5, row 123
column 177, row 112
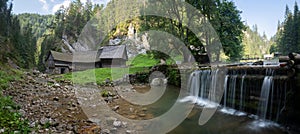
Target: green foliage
column 38, row 23
column 230, row 28
column 8, row 75
column 255, row 45
column 67, row 24
column 143, row 60
column 223, row 16
column 142, row 77
column 104, row 93
column 10, row 119
column 288, row 33
column 174, row 77
column 5, row 17
column 18, row 41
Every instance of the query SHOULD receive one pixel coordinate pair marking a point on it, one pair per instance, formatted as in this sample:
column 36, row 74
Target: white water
column 265, row 94
column 232, row 88
column 204, row 82
column 202, row 89
column 225, row 90
column 203, row 92
column 242, row 93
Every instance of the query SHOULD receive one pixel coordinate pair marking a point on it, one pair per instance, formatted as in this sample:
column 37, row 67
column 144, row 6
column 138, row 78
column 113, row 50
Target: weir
column 259, row 91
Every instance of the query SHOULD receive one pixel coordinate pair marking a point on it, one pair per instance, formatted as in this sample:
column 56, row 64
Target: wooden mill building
column 106, row 57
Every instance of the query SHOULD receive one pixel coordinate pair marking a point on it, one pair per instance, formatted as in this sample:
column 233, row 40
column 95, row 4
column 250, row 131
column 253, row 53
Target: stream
column 223, row 121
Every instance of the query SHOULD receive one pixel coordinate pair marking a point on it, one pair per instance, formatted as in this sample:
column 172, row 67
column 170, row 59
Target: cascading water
column 214, row 79
column 203, row 82
column 232, row 90
column 205, row 76
column 194, row 85
column 243, row 92
column 264, row 95
column 225, row 90
column 242, row 98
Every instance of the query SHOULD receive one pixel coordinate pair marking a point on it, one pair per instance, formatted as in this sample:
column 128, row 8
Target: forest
column 27, row 38
column 287, row 38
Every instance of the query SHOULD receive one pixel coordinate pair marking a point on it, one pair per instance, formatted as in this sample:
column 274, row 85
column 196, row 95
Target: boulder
column 159, row 82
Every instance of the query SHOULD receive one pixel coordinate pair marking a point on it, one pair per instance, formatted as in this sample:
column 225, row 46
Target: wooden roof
column 113, row 52
column 81, row 57
column 106, row 52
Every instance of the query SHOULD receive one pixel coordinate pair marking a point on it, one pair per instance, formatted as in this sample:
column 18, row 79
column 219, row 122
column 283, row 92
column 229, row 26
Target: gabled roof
column 113, row 52
column 86, row 57
column 82, row 57
column 106, row 52
column 61, row 56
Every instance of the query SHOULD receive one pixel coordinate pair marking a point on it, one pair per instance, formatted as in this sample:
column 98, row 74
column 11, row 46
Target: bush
column 10, row 119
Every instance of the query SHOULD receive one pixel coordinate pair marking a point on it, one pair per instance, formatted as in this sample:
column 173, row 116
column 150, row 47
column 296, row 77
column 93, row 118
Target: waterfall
column 264, row 97
column 194, row 85
column 202, row 88
column 214, row 79
column 204, row 80
column 225, row 90
column 242, row 93
column 239, row 97
column 232, row 89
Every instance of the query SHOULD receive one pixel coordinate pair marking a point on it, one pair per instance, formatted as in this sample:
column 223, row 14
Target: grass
column 143, row 60
column 140, row 63
column 99, row 75
column 7, row 76
column 10, row 119
column 147, row 60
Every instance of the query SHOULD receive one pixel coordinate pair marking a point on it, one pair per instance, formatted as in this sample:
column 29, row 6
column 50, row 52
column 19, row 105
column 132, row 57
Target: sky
column 264, row 13
column 43, row 6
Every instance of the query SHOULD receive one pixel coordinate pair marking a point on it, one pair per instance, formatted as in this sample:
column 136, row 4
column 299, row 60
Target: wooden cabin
column 113, row 56
column 107, row 56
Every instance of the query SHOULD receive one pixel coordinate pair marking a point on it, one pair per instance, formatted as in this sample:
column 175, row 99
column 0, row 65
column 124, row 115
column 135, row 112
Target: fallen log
column 292, row 56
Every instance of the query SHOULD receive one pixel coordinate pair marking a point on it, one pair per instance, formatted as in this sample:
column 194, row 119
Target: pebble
column 124, row 124
column 132, row 117
column 110, row 120
column 43, row 121
column 116, row 108
column 129, row 131
column 131, row 109
column 106, row 131
column 56, row 99
column 56, row 85
column 144, row 109
column 117, row 123
column 142, row 115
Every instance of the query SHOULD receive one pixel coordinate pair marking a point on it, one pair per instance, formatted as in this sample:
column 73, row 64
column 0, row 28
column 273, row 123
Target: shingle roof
column 88, row 56
column 106, row 52
column 61, row 56
column 83, row 57
column 114, row 52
